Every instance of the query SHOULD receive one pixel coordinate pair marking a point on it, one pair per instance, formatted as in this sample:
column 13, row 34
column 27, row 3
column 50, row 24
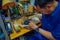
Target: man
column 50, row 10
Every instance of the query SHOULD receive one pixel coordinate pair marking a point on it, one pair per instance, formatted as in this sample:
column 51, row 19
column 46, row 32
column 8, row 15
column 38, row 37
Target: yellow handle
column 5, row 2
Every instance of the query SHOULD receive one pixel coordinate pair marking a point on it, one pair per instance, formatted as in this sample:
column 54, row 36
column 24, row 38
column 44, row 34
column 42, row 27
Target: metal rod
column 3, row 28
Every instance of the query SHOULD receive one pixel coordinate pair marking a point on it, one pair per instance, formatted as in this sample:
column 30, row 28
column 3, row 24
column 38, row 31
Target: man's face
column 45, row 10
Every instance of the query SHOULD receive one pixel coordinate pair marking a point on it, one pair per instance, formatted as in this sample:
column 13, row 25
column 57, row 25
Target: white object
column 35, row 19
column 23, row 25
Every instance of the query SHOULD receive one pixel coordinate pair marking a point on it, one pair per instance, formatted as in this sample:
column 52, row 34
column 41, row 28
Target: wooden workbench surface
column 22, row 31
column 15, row 34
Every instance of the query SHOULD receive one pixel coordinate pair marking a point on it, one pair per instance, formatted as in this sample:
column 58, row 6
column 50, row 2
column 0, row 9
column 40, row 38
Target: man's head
column 45, row 6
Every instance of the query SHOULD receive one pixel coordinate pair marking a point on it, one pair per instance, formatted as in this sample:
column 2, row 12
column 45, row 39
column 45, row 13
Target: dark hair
column 42, row 3
column 58, row 0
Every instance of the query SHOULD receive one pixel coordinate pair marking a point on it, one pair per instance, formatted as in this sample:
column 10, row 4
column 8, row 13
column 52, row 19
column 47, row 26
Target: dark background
column 0, row 4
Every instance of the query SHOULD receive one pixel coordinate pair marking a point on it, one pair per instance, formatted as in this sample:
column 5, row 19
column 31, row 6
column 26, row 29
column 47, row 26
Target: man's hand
column 32, row 25
column 45, row 33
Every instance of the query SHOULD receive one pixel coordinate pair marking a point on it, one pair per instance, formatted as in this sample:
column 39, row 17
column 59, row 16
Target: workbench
column 18, row 34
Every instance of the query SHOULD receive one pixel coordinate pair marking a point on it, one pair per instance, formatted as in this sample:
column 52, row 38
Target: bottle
column 8, row 25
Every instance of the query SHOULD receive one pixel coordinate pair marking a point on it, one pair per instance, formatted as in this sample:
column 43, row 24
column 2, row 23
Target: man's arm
column 46, row 34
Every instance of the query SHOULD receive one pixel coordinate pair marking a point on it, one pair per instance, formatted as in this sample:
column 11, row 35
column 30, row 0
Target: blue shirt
column 51, row 23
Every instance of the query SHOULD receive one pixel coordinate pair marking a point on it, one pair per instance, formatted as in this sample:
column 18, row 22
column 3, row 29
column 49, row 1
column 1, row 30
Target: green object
column 15, row 11
column 16, row 26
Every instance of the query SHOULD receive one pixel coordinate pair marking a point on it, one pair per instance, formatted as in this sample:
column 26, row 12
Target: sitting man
column 50, row 30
